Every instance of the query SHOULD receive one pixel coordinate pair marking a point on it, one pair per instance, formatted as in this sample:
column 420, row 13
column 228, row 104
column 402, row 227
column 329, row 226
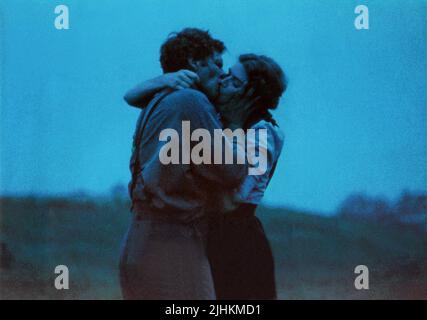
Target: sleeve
column 225, row 161
column 263, row 151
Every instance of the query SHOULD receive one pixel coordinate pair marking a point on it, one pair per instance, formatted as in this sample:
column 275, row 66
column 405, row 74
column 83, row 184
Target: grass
column 315, row 255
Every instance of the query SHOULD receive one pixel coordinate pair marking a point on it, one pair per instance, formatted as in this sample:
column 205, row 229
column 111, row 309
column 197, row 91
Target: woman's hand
column 179, row 80
column 237, row 111
column 143, row 92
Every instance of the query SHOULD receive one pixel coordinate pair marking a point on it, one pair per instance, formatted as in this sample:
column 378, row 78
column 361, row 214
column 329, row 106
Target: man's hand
column 179, row 80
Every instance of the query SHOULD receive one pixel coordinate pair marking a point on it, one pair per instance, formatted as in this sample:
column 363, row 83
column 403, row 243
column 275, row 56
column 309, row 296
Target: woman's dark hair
column 189, row 43
column 268, row 81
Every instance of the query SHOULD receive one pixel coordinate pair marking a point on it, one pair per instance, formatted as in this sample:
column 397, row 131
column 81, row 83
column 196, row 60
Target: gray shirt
column 183, row 190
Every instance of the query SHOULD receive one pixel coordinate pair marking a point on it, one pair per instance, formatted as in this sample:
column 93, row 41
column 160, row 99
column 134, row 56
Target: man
column 164, row 252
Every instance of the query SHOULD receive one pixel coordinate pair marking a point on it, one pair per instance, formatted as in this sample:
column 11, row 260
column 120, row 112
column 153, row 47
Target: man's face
column 232, row 84
column 209, row 72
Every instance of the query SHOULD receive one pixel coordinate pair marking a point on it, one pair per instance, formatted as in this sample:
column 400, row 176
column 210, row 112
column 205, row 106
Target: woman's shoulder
column 273, row 130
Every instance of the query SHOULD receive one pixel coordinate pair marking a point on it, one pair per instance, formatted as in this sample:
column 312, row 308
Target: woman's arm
column 143, row 92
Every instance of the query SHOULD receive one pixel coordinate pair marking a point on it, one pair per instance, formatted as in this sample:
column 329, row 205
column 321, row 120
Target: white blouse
column 253, row 187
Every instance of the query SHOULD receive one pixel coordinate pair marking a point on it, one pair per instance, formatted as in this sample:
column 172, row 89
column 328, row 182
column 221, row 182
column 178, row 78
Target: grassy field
column 315, row 255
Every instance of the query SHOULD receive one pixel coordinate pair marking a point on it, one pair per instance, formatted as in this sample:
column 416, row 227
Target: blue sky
column 354, row 115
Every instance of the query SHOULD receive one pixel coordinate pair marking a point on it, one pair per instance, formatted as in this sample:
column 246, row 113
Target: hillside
column 315, row 255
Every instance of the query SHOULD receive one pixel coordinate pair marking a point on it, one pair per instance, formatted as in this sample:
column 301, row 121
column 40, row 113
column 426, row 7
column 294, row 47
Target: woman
column 239, row 252
column 241, row 259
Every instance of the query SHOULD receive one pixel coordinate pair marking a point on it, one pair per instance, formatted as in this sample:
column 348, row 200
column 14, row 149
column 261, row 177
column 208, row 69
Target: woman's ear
column 249, row 90
column 242, row 91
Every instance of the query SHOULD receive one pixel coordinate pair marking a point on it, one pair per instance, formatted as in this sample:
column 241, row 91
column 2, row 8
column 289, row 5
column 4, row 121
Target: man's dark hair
column 266, row 78
column 189, row 43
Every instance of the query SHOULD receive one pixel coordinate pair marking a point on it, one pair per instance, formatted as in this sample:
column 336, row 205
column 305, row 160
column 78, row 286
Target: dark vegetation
column 315, row 255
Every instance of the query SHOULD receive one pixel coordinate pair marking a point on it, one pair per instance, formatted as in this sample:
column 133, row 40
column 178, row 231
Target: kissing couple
column 193, row 232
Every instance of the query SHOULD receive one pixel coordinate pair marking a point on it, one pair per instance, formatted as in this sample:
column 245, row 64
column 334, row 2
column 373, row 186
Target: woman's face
column 232, row 83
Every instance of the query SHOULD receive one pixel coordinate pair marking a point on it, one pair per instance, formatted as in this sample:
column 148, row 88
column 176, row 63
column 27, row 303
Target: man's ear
column 194, row 65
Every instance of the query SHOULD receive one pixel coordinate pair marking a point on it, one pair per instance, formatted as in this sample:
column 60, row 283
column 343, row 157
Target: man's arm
column 193, row 106
column 142, row 93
